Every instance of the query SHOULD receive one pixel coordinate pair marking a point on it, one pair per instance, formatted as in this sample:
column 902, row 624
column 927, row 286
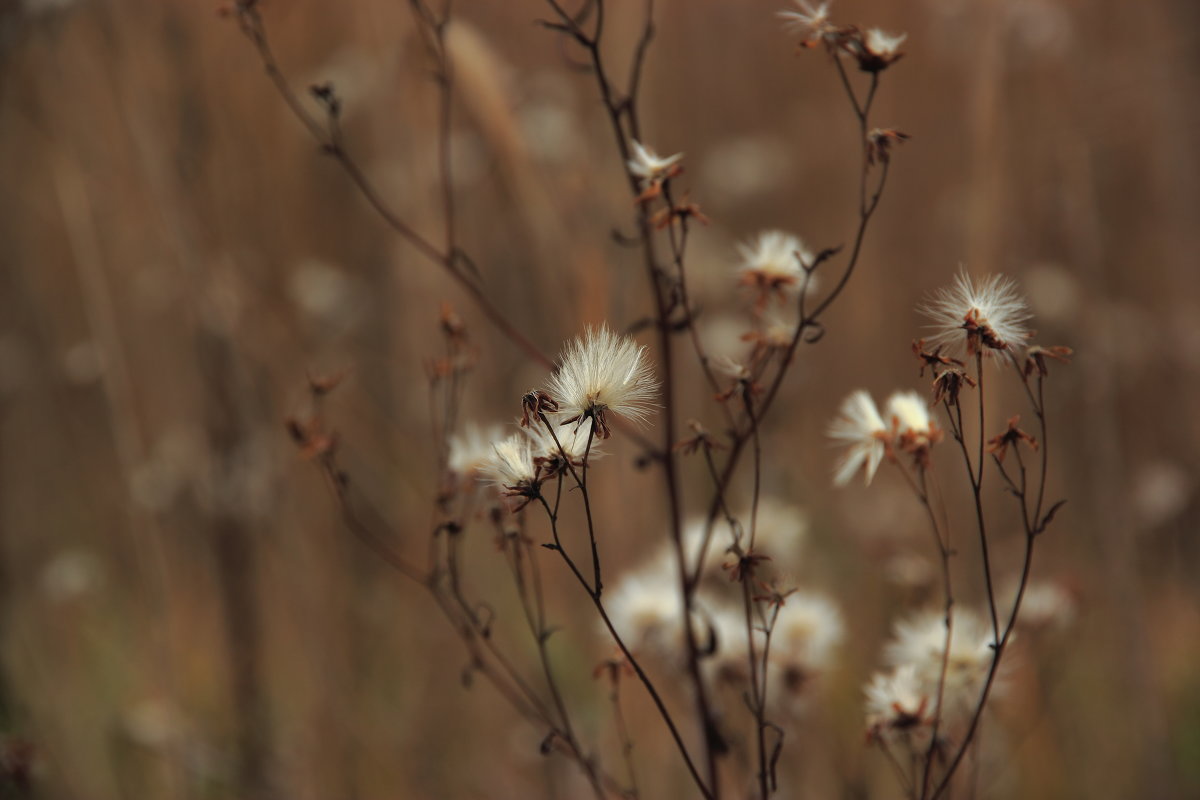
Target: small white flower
column 897, row 704
column 807, row 631
column 860, row 428
column 778, row 329
column 573, row 441
column 1046, row 605
column 915, row 431
column 772, row 261
column 920, row 641
column 730, row 367
column 511, row 466
column 809, row 20
column 603, row 372
column 987, row 317
column 649, row 166
column 781, row 532
column 646, row 610
column 883, row 45
column 471, row 449
column 908, row 413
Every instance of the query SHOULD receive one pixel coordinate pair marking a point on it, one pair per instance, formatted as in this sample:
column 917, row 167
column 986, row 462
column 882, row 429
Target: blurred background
column 182, row 613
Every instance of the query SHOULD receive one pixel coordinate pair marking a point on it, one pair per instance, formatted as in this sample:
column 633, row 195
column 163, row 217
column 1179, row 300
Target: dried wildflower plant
column 709, row 626
column 944, row 665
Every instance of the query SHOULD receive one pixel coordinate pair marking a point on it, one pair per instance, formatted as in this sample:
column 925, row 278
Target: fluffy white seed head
column 773, row 260
column 646, row 610
column 1045, row 606
column 860, row 428
column 920, row 641
column 908, row 413
column 781, row 534
column 883, row 45
column 648, row 165
column 810, row 21
column 898, row 705
column 603, row 372
column 511, row 464
column 572, row 441
column 471, row 448
column 807, row 632
column 968, row 317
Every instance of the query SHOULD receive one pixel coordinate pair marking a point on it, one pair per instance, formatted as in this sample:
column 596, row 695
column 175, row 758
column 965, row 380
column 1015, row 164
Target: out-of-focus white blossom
column 883, row 45
column 807, row 632
column 649, row 166
column 898, row 705
column 920, row 641
column 471, row 449
column 772, row 261
column 912, row 426
column 1046, row 605
column 646, row 609
column 572, row 441
column 811, row 22
column 861, row 429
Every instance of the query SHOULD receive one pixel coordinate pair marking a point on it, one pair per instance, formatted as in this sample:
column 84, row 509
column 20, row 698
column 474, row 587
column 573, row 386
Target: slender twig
column 623, row 119
column 327, row 136
column 580, row 477
column 536, row 621
column 1035, row 524
column 977, row 490
column 623, row 736
column 625, row 651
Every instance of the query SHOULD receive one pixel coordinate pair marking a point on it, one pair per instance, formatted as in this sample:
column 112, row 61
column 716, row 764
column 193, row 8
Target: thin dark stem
column 629, row 657
column 900, row 773
column 587, row 507
column 328, row 137
column 756, row 695
column 921, row 488
column 580, row 477
column 1027, row 564
column 1034, row 525
column 678, row 249
column 537, row 628
column 623, row 119
column 757, row 486
column 977, row 491
column 626, row 741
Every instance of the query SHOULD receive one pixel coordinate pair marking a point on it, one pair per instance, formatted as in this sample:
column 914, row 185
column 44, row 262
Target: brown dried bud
column 998, row 445
column 1036, row 355
column 880, row 142
column 534, row 404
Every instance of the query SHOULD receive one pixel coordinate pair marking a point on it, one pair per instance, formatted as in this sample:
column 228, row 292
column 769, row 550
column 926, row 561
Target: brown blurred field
column 182, row 614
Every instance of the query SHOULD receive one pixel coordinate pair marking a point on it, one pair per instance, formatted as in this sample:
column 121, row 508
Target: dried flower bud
column 880, row 142
column 998, row 445
column 875, row 50
column 948, row 384
column 534, row 404
column 1036, row 355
